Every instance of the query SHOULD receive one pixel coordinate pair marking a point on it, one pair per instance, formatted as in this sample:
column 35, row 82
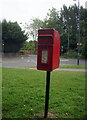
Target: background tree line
column 65, row 21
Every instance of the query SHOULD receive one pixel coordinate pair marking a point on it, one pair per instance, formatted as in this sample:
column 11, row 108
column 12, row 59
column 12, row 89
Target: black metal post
column 47, row 94
column 78, row 55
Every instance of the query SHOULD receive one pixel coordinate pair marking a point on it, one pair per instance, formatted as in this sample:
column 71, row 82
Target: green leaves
column 31, row 45
column 12, row 36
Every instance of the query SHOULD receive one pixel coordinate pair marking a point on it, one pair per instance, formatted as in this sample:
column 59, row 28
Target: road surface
column 31, row 60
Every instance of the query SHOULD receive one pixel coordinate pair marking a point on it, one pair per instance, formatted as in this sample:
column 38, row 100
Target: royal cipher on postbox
column 48, row 55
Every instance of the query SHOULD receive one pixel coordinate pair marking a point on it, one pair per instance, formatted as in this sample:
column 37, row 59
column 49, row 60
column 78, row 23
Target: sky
column 24, row 10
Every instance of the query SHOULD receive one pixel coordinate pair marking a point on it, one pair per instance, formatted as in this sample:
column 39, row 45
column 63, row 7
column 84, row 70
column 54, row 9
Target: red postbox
column 48, row 56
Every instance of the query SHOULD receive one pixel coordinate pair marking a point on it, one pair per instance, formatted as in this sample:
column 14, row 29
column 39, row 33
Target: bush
column 70, row 54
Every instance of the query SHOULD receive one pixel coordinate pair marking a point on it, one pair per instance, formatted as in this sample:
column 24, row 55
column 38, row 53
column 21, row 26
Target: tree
column 52, row 19
column 70, row 21
column 69, row 16
column 84, row 32
column 32, row 28
column 29, row 45
column 12, row 36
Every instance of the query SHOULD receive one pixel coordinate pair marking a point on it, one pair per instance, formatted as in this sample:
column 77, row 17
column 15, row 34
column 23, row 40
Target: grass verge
column 74, row 66
column 24, row 93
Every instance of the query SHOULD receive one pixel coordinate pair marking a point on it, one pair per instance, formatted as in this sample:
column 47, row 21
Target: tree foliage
column 29, row 45
column 32, row 28
column 66, row 22
column 12, row 36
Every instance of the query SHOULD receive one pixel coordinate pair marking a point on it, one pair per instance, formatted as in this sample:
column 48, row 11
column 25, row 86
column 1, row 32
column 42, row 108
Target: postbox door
column 44, row 60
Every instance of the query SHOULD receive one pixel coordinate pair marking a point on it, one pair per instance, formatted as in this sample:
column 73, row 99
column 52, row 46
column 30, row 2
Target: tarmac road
column 31, row 60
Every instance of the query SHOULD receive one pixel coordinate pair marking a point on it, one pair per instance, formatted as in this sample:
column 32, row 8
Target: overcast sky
column 24, row 10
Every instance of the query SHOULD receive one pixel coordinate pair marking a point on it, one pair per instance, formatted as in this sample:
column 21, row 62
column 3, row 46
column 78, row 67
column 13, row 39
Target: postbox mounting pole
column 47, row 94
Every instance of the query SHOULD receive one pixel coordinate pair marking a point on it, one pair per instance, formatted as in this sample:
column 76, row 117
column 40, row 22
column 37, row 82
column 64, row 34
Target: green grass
column 24, row 93
column 74, row 66
column 0, row 92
